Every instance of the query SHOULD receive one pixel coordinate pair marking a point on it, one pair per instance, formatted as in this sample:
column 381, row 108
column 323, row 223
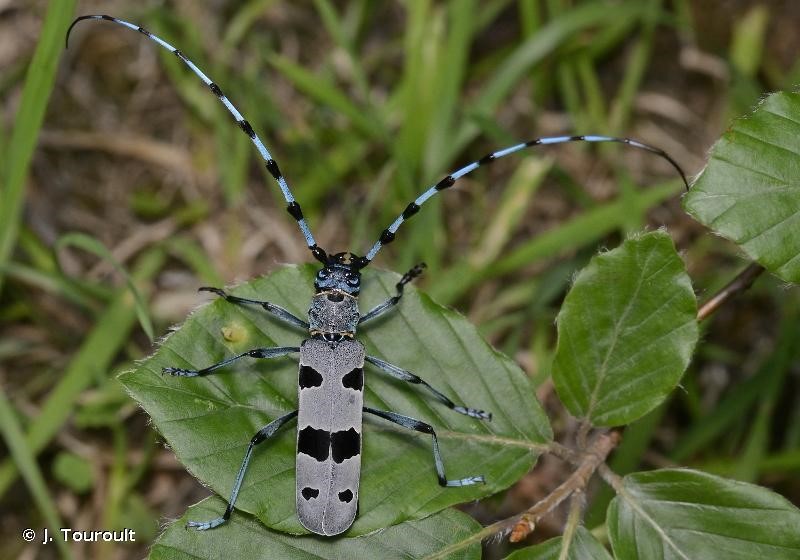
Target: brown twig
column 564, row 453
column 576, row 506
column 742, row 282
column 594, row 456
column 613, row 479
column 588, row 462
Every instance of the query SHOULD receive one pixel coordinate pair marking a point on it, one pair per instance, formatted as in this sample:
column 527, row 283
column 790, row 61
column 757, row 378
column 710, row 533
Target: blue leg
column 392, row 301
column 255, row 353
column 264, row 433
column 275, row 310
column 406, row 375
column 411, row 423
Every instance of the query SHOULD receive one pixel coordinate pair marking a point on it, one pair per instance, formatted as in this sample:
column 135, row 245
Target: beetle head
column 340, row 272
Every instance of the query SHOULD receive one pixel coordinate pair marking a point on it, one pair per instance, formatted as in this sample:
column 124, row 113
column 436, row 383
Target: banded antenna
column 293, row 207
column 388, row 234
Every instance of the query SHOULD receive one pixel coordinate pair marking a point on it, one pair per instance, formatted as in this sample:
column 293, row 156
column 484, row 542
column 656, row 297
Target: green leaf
column 750, row 190
column 244, row 537
column 582, row 547
column 209, row 421
column 626, row 332
column 686, row 514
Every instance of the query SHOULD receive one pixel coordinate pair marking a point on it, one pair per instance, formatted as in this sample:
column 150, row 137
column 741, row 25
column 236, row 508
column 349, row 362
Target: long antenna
column 388, row 234
column 272, row 166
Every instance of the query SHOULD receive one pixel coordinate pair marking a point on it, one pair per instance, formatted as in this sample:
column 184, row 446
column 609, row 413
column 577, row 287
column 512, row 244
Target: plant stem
column 587, row 462
column 594, row 456
column 576, row 506
column 742, row 282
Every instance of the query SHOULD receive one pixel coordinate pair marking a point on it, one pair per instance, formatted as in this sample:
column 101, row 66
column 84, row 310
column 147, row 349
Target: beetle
column 332, row 359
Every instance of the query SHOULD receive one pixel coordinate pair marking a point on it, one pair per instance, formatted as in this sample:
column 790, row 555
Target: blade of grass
column 596, row 117
column 233, row 150
column 39, row 255
column 779, row 463
column 92, row 245
column 25, row 460
column 546, row 288
column 109, row 334
column 590, row 226
column 777, row 367
column 117, row 486
column 531, row 14
column 334, row 164
column 187, row 250
column 791, row 436
column 423, row 34
column 38, row 85
column 335, row 27
column 609, row 38
column 47, row 281
column 568, row 88
column 423, row 47
column 587, row 228
column 532, row 51
column 635, row 68
column 516, row 197
column 449, row 82
column 749, row 40
column 729, row 411
column 735, row 404
column 241, row 22
column 487, row 11
column 323, row 91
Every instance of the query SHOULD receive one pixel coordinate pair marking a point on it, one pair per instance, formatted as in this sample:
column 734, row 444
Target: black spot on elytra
column 309, row 492
column 354, row 379
column 346, row 496
column 309, row 377
column 345, row 444
column 314, row 443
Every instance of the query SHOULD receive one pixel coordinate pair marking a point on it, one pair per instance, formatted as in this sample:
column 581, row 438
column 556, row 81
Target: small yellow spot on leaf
column 234, row 332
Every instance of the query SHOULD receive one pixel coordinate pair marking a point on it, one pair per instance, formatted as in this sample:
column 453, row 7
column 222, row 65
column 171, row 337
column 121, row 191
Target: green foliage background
column 364, row 106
